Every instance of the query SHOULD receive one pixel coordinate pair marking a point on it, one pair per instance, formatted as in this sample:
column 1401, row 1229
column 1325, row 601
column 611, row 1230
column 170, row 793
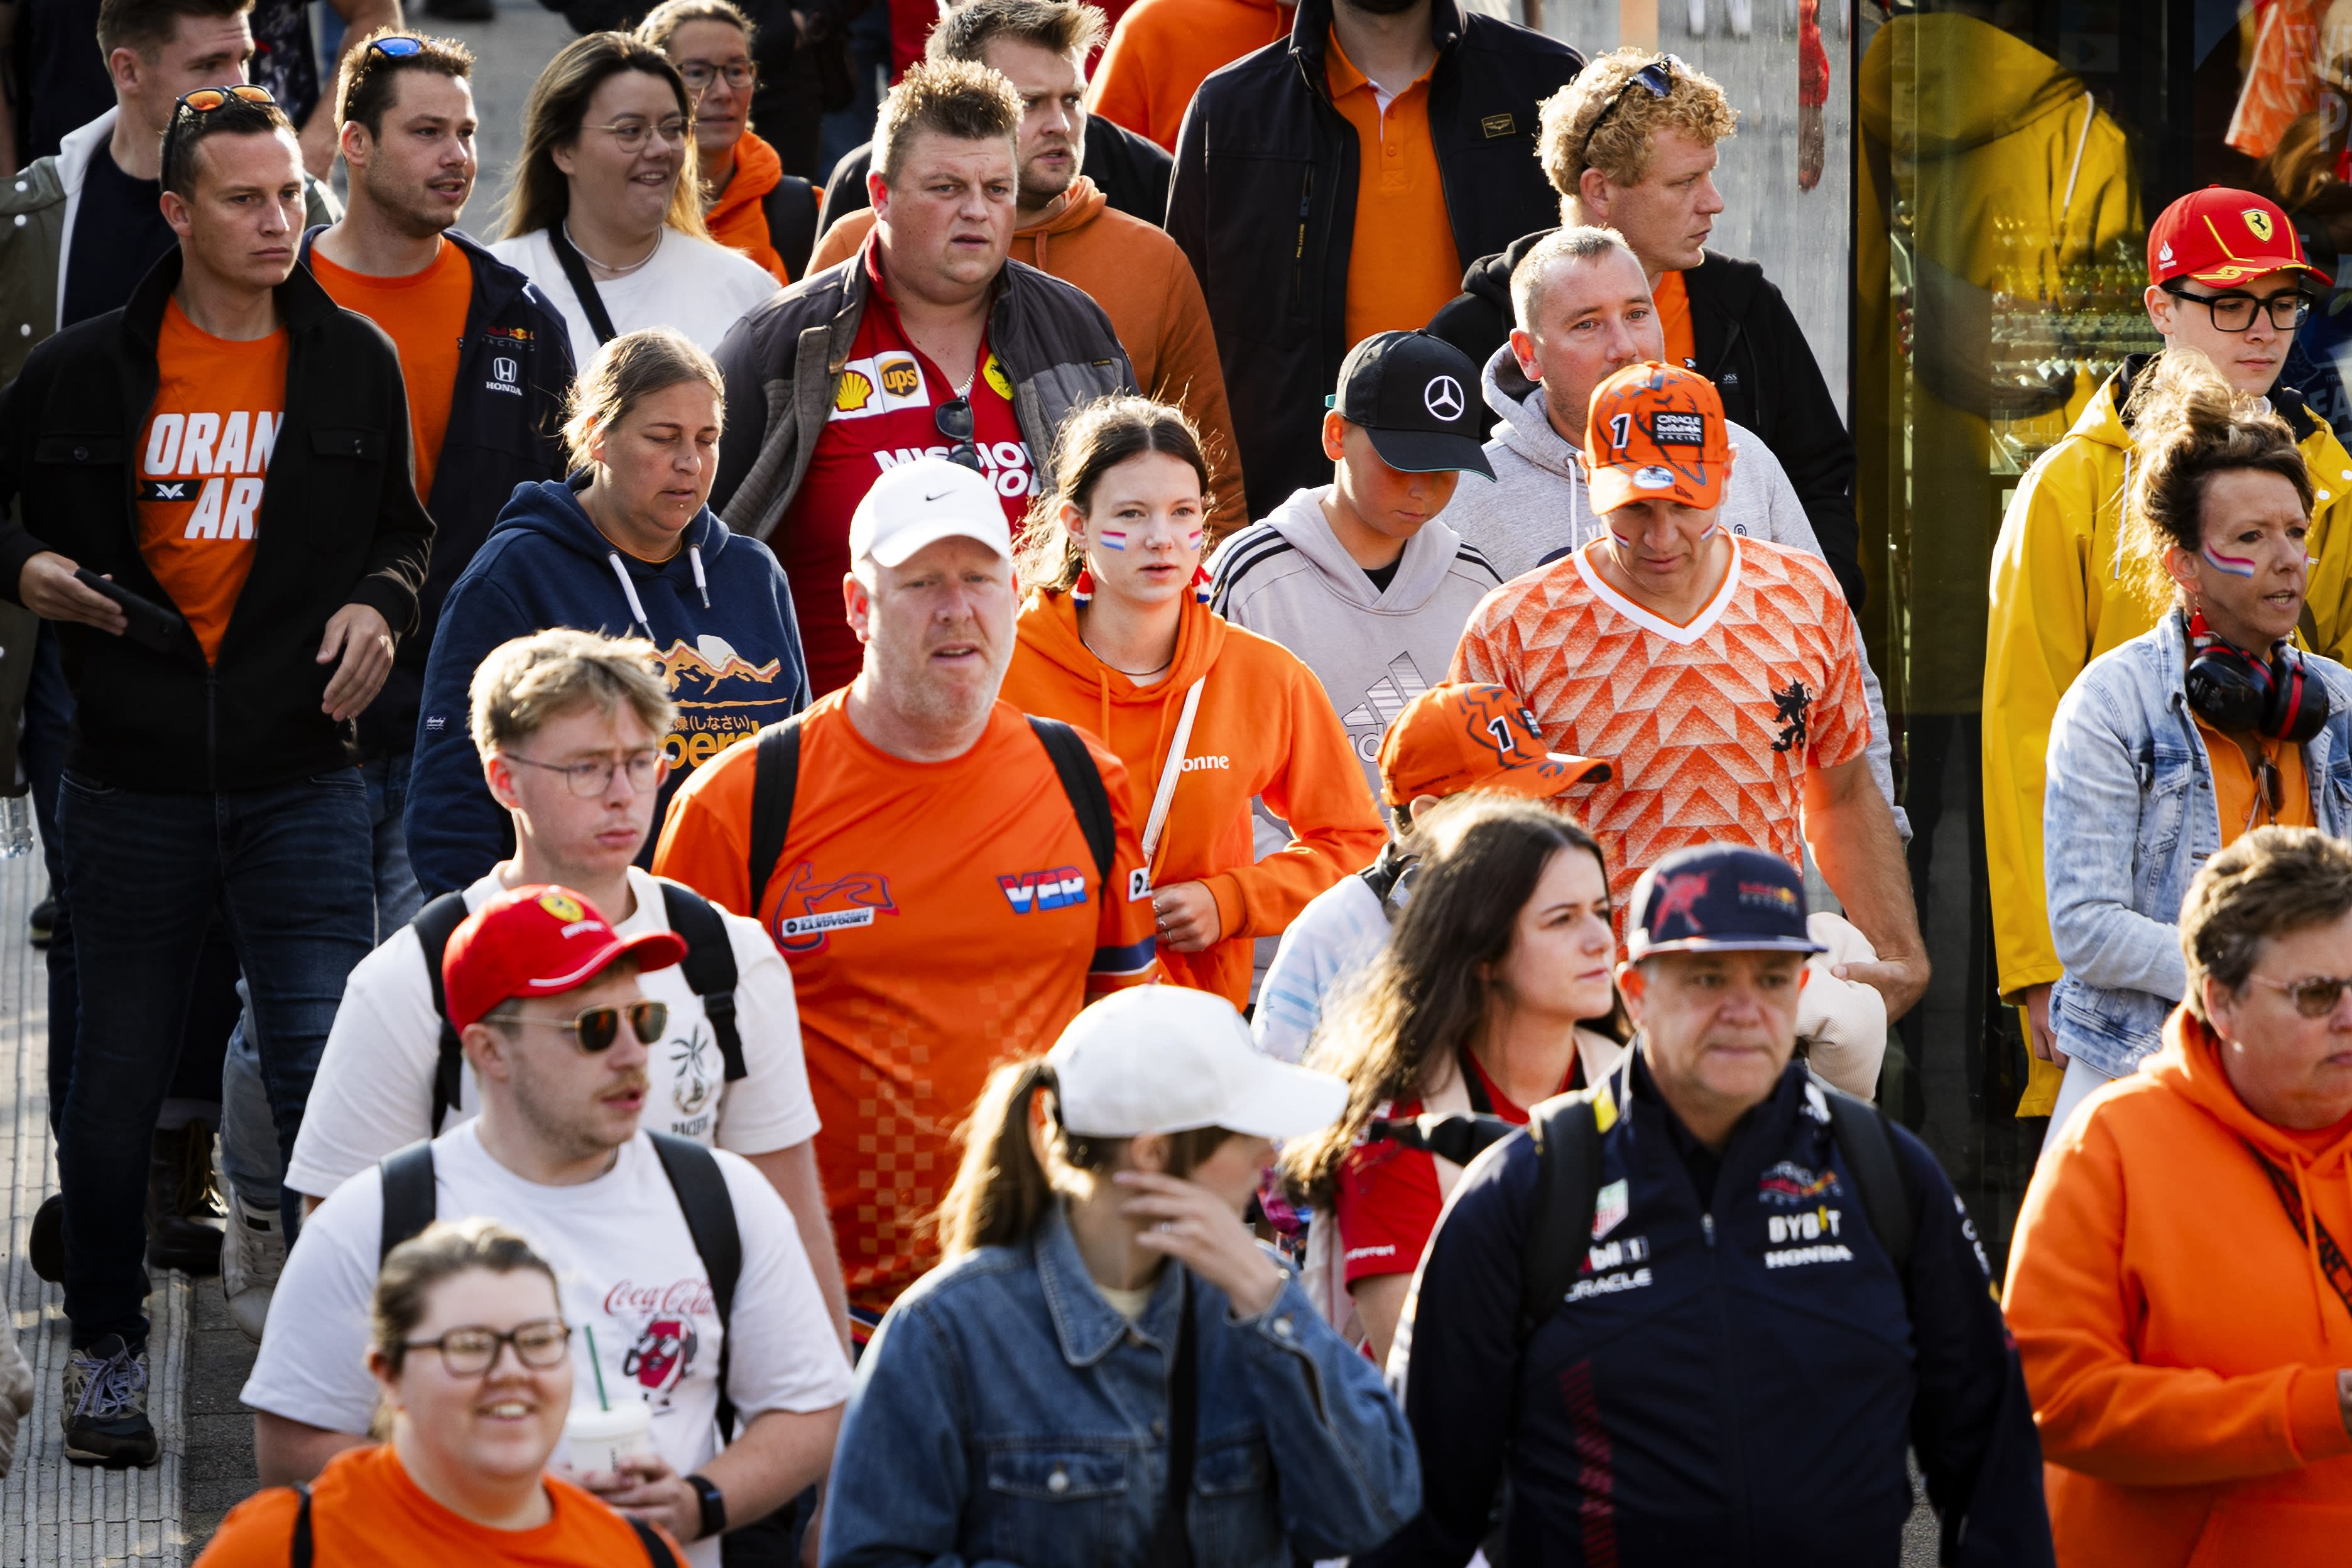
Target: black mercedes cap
column 1416, row 395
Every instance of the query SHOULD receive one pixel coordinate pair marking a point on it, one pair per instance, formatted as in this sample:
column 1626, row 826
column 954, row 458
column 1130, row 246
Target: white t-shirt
column 373, row 1091
column 690, row 284
column 627, row 1270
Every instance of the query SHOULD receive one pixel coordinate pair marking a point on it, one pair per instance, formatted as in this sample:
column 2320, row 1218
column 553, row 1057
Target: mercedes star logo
column 1443, row 397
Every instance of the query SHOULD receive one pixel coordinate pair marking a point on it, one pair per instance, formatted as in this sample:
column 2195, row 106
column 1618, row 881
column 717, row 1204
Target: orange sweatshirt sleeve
column 2073, row 1309
column 1187, row 372
column 1121, row 91
column 840, row 242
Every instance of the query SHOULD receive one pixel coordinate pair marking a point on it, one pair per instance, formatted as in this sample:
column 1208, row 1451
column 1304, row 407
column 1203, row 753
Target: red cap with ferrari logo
column 539, row 940
column 2222, row 237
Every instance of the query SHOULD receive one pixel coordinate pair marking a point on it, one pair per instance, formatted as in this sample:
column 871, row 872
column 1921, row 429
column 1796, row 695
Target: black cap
column 1717, row 898
column 1416, row 397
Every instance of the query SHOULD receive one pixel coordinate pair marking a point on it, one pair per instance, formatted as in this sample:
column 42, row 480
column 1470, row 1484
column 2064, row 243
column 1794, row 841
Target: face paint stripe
column 2235, row 565
column 1115, row 539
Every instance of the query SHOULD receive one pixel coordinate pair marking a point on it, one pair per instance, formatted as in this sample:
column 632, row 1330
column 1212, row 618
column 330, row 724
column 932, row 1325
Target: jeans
column 249, row 1140
column 287, row 868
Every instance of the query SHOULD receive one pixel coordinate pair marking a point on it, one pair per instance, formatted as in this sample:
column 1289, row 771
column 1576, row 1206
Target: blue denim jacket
column 2128, row 816
column 1006, row 1414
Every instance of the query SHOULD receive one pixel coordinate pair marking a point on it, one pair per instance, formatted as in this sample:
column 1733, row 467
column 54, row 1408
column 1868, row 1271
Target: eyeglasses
column 201, row 102
column 473, row 1350
column 631, row 134
column 2314, row 996
column 397, row 47
column 954, row 420
column 1657, row 78
column 591, row 779
column 2235, row 313
column 699, row 75
column 598, row 1027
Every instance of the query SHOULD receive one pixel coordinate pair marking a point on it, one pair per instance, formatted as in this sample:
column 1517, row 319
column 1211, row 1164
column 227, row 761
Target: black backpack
column 777, row 775
column 708, row 967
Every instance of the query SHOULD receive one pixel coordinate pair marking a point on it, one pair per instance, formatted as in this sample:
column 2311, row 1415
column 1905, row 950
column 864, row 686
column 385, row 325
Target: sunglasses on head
column 954, row 420
column 397, row 47
column 598, row 1027
column 1657, row 79
column 201, row 102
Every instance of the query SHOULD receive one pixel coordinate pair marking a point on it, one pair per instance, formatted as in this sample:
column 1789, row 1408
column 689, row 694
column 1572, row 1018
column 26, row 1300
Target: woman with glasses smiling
column 605, row 211
column 473, row 1360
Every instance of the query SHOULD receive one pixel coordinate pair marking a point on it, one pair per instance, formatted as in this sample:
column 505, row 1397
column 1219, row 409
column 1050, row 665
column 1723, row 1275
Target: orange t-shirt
column 2241, row 806
column 423, row 314
column 1402, row 265
column 365, row 1512
column 939, row 919
column 203, row 454
column 1673, row 302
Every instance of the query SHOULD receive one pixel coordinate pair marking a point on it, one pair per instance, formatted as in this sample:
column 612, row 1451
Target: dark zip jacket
column 719, row 612
column 1729, row 1384
column 1746, row 341
column 505, row 429
column 1130, row 171
column 1263, row 204
column 340, row 524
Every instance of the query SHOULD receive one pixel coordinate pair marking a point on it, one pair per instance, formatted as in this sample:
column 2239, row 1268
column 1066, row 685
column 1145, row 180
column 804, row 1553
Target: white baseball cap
column 1166, row 1058
column 921, row 502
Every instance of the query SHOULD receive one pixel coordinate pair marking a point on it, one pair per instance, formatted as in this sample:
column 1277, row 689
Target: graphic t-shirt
column 883, row 415
column 203, row 455
column 629, row 1271
column 939, row 918
column 373, row 1093
column 1672, row 302
column 119, row 233
column 1710, row 728
column 424, row 313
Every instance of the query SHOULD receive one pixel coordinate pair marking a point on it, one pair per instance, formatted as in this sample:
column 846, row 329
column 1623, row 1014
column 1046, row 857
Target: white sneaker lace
column 114, row 1386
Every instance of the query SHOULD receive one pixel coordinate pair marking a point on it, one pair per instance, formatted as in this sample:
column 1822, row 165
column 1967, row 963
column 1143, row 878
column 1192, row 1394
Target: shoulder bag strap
column 1859, row 1129
column 775, row 780
column 409, row 1200
column 2331, row 1256
column 708, row 967
column 701, row 1188
column 1082, row 782
column 583, row 288
column 1165, row 795
column 657, row 1552
column 1172, row 1537
column 299, row 1552
column 434, row 925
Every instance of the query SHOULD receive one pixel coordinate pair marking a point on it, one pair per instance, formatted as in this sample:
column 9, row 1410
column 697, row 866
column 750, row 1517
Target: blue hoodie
column 719, row 610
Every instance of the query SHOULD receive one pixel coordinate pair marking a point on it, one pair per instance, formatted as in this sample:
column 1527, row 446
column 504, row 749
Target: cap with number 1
column 1657, row 433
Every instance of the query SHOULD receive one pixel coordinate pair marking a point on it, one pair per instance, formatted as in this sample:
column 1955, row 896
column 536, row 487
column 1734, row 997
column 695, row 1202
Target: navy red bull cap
column 1718, row 897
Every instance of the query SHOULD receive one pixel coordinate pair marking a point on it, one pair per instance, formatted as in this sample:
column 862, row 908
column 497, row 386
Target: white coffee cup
column 597, row 1439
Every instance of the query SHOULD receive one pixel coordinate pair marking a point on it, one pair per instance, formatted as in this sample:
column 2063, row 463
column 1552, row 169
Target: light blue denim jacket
column 1006, row 1414
column 2128, row 816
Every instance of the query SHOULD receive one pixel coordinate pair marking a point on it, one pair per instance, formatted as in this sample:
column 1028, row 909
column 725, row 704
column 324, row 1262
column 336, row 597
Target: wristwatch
column 714, row 1505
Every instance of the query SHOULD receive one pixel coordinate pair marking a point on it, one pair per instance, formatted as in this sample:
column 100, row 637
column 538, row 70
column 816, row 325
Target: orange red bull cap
column 2223, row 236
column 1456, row 737
column 1656, row 432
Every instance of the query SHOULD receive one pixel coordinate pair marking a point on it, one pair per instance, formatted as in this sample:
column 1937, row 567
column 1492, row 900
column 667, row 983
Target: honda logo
column 506, row 370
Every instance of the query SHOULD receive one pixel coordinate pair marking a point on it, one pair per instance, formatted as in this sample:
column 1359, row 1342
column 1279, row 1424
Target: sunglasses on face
column 2315, row 996
column 598, row 1027
column 1657, row 79
column 471, row 1352
column 954, row 420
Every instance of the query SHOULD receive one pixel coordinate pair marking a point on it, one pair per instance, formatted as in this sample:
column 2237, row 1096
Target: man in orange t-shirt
column 939, row 888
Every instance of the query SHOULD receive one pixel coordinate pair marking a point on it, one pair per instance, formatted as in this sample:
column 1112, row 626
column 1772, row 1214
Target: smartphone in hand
column 150, row 624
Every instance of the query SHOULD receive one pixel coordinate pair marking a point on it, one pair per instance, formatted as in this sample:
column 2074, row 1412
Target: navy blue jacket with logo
column 506, row 428
column 1735, row 1385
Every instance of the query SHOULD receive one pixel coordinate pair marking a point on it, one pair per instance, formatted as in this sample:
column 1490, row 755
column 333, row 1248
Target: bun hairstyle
column 2187, row 425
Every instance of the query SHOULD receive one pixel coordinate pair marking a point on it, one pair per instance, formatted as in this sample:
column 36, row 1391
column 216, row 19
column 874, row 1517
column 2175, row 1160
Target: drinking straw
column 596, row 1365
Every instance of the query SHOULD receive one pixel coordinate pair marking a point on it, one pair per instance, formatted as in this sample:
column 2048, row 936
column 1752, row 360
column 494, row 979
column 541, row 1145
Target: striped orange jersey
column 1710, row 727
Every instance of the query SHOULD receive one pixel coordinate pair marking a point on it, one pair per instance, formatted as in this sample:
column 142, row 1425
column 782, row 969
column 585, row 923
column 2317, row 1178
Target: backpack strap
column 708, row 966
column 791, row 212
column 434, row 925
column 657, row 1552
column 1567, row 1134
column 775, row 779
column 1382, row 875
column 1859, row 1129
column 299, row 1553
column 584, row 286
column 409, row 1201
column 701, row 1188
column 1082, row 782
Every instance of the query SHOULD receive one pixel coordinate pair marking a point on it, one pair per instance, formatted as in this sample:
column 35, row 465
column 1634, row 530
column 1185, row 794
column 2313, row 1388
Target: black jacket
column 1748, row 343
column 506, row 429
column 1130, row 171
column 1728, row 1382
column 340, row 524
column 1264, row 205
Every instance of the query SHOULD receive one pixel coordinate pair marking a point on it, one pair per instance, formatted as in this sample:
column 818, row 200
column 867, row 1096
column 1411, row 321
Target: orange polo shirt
column 2238, row 795
column 1402, row 265
column 1673, row 302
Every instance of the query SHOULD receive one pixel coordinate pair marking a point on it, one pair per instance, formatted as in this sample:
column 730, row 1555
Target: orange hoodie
column 737, row 220
column 1263, row 728
column 2180, row 1338
column 1163, row 49
column 1136, row 273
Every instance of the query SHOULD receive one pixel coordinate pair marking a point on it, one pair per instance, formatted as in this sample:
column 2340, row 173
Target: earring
column 1201, row 583
column 1084, row 588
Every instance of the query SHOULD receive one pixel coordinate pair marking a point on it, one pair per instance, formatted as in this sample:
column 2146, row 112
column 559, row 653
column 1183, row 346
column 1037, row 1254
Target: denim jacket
column 1006, row 1414
column 2124, row 749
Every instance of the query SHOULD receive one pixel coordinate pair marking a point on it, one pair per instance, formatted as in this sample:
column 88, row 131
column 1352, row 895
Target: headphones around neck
column 2277, row 699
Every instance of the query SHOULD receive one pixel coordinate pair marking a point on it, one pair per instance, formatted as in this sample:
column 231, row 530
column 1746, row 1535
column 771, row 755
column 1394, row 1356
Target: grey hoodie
column 1536, row 510
column 1374, row 650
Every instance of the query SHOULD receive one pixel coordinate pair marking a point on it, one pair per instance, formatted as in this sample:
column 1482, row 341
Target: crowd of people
column 1089, row 845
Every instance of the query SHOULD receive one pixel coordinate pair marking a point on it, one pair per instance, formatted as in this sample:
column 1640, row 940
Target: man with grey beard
column 949, row 879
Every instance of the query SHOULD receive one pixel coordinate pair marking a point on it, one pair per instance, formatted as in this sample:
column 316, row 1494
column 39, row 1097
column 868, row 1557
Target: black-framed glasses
column 2314, row 995
column 631, row 134
column 2235, row 313
column 1657, row 78
column 597, row 1028
column 954, row 420
column 699, row 75
column 473, row 1350
column 203, row 101
column 396, row 47
column 592, row 778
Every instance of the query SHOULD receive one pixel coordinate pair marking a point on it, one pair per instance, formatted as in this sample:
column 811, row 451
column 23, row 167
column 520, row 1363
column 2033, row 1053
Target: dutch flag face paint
column 2235, row 565
column 1111, row 537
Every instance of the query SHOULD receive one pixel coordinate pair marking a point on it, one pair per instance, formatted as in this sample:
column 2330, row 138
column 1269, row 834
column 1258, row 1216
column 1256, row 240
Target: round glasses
column 592, row 778
column 472, row 1351
column 598, row 1027
column 2235, row 313
column 631, row 134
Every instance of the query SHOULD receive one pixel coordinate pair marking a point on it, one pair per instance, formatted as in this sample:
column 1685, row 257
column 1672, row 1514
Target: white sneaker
column 252, row 1256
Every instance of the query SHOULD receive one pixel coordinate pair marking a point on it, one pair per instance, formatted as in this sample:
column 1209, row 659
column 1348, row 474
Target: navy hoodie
column 719, row 610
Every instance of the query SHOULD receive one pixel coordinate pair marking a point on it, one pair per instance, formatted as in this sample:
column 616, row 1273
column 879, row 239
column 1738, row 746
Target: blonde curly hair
column 1567, row 143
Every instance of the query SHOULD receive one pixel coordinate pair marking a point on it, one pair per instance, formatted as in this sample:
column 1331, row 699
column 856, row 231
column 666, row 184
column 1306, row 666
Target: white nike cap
column 1166, row 1058
column 921, row 502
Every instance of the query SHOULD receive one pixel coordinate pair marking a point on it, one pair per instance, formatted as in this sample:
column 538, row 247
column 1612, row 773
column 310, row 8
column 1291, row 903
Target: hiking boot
column 45, row 1249
column 105, row 1409
column 183, row 1218
column 251, row 1259
column 42, row 924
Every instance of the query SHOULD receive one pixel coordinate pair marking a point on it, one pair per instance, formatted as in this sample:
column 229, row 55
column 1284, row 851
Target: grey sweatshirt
column 1536, row 510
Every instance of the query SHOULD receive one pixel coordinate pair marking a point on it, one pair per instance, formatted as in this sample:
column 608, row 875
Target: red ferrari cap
column 540, row 941
column 2224, row 237
column 1459, row 737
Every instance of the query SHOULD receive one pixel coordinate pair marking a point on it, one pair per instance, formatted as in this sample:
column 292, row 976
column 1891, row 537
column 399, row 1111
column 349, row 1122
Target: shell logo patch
column 2258, row 224
column 854, row 393
column 879, row 384
column 562, row 906
column 994, row 371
